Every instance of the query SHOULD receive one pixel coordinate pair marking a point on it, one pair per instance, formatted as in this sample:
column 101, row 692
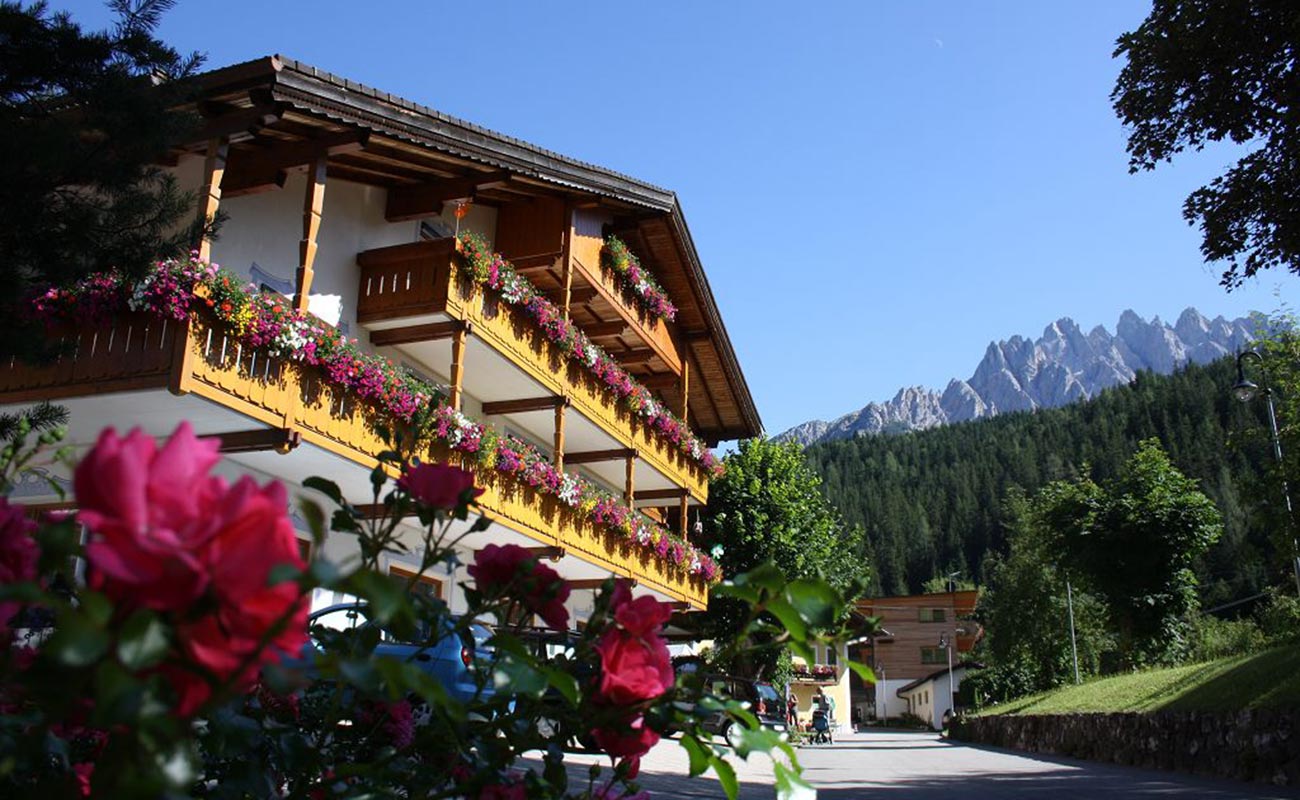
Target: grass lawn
column 1270, row 679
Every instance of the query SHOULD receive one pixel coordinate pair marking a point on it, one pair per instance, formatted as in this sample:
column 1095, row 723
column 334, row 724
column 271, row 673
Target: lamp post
column 1246, row 391
column 1074, row 647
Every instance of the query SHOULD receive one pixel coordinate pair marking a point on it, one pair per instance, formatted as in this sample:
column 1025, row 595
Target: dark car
column 761, row 699
column 452, row 659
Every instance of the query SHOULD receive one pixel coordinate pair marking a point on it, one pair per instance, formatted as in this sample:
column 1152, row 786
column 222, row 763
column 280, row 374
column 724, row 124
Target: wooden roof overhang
column 282, row 115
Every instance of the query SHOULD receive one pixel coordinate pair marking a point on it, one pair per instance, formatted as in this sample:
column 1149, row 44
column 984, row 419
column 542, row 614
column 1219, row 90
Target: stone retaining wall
column 1261, row 745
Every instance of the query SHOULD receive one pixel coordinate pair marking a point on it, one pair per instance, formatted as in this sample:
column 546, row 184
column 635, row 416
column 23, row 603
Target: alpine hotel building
column 352, row 204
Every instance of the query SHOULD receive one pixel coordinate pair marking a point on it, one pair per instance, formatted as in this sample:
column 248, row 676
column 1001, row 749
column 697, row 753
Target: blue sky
column 877, row 190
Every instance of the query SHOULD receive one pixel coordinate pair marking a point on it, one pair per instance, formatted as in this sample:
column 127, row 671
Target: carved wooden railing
column 412, row 282
column 137, row 352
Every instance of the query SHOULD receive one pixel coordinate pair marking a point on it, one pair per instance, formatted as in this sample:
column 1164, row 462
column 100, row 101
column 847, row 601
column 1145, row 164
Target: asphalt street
column 896, row 765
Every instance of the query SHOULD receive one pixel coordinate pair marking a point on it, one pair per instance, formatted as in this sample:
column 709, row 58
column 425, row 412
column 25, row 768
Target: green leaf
column 515, row 675
column 316, row 519
column 326, row 487
column 77, row 642
column 144, row 641
column 817, row 603
column 765, row 576
column 698, row 755
column 282, row 573
column 790, row 618
column 862, row 671
column 726, row 776
column 564, row 683
column 790, row 785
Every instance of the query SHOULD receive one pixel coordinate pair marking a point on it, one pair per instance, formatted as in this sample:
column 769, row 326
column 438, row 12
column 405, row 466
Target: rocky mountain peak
column 1061, row 366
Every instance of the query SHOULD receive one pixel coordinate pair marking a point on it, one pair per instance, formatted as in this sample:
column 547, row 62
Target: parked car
column 452, row 659
column 761, row 699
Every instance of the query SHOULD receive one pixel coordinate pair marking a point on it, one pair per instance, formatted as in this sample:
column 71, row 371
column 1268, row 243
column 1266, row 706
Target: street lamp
column 1245, row 391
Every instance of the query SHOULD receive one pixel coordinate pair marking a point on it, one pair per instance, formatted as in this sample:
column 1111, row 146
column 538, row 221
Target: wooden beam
column 253, row 171
column 458, row 341
column 666, row 380
column 684, row 517
column 313, row 206
column 662, row 494
column 432, row 332
column 377, row 510
column 598, row 329
column 629, row 493
column 684, row 411
column 214, row 170
column 593, row 456
column 639, row 355
column 520, row 406
column 426, row 199
column 280, row 440
column 37, row 511
column 559, row 438
column 551, row 553
column 578, row 295
column 245, row 120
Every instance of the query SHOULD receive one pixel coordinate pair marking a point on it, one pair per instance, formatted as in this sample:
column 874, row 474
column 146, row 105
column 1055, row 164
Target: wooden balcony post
column 684, row 507
column 214, row 169
column 631, row 482
column 686, row 389
column 559, row 437
column 312, row 205
column 457, row 365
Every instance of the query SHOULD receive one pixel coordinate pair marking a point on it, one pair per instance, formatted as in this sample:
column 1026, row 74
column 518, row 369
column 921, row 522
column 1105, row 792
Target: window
column 932, row 614
column 831, row 656
column 304, row 550
column 424, row 584
column 933, row 655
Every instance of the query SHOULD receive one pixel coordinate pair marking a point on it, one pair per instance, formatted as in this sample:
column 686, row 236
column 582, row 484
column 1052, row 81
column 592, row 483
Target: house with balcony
column 555, row 312
column 918, row 634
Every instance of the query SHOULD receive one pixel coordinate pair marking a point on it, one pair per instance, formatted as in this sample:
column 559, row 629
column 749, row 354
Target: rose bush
column 177, row 667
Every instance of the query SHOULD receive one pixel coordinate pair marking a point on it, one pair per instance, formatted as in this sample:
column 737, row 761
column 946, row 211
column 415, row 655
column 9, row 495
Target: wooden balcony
column 416, row 288
column 137, row 353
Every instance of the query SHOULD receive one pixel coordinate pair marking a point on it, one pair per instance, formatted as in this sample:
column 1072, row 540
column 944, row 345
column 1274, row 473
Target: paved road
column 918, row 766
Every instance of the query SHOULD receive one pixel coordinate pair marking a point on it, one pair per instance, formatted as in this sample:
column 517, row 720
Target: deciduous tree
column 1202, row 71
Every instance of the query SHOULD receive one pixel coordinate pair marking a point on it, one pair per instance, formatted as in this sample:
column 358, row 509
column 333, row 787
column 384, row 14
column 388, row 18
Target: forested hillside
column 931, row 501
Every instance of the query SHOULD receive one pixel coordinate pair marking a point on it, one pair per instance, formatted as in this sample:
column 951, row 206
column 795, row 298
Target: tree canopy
column 1202, row 71
column 1134, row 540
column 769, row 507
column 88, row 117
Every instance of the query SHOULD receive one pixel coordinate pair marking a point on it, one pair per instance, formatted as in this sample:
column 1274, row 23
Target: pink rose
column 630, row 741
column 18, row 553
column 501, row 570
column 169, row 537
column 643, row 616
column 439, row 485
column 633, row 668
column 504, row 791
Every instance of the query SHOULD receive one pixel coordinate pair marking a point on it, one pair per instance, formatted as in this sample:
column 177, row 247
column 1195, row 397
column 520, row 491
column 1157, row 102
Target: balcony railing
column 141, row 352
column 419, row 283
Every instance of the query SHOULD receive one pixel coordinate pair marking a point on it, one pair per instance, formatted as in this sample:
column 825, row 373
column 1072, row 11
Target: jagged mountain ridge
column 1061, row 366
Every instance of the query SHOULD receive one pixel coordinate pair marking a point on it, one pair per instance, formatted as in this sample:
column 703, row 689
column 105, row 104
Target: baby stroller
column 821, row 727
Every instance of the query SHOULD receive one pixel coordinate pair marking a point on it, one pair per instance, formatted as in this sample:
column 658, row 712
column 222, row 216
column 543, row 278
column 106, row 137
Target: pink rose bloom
column 630, row 741
column 643, row 616
column 439, row 485
column 169, row 537
column 633, row 668
column 511, row 570
column 18, row 553
column 504, row 791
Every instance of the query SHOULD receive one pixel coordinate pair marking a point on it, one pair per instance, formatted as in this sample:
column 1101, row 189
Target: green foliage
column 1202, row 72
column 768, row 507
column 1134, row 539
column 1026, row 618
column 931, row 502
column 80, row 189
column 1279, row 617
column 1213, row 638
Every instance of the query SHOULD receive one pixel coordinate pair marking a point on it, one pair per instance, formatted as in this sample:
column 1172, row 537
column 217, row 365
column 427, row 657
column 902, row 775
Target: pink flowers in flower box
column 636, row 280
